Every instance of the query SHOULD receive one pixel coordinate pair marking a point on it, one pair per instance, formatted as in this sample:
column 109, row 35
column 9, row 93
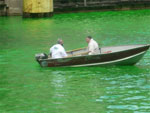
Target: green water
column 25, row 87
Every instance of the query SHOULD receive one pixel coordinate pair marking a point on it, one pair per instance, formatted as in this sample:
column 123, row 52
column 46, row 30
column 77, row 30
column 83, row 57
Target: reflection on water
column 124, row 88
column 25, row 87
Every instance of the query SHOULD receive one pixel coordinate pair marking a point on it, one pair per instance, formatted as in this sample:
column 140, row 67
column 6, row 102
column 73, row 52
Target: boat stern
column 40, row 57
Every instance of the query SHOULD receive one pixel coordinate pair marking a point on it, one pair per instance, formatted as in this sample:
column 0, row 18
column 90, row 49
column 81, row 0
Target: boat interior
column 103, row 50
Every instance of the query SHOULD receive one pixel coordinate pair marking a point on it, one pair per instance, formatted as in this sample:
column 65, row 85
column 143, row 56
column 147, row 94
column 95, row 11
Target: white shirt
column 93, row 47
column 58, row 51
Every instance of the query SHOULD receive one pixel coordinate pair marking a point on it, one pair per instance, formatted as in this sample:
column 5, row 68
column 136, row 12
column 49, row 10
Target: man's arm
column 91, row 49
column 64, row 54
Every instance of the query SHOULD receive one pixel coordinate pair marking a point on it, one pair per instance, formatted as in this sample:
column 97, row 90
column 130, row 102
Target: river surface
column 25, row 87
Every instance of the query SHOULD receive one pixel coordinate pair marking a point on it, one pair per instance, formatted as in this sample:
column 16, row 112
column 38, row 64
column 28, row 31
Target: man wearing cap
column 93, row 47
column 57, row 50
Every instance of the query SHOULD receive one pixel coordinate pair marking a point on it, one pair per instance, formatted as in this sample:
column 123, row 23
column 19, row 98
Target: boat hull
column 126, row 57
column 124, row 61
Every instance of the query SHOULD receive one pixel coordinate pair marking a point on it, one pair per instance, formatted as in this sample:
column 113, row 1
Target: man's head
column 88, row 38
column 60, row 41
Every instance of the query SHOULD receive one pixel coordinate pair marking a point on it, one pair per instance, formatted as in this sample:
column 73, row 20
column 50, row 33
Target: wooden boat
column 117, row 55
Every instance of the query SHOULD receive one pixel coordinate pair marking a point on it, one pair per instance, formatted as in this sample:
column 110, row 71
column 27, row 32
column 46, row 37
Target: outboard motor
column 41, row 56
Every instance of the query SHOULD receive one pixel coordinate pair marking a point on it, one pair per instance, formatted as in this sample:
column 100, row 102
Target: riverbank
column 14, row 7
column 104, row 5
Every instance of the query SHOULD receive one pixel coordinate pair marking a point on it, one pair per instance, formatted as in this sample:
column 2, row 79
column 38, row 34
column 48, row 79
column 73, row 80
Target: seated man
column 93, row 47
column 58, row 51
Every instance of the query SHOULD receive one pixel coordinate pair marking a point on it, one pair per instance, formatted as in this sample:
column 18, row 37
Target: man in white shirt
column 57, row 50
column 93, row 47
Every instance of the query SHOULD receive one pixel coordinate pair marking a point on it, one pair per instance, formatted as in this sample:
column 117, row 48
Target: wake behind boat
column 116, row 55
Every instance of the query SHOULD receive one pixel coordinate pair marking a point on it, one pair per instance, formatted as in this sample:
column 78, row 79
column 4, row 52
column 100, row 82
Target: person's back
column 58, row 51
